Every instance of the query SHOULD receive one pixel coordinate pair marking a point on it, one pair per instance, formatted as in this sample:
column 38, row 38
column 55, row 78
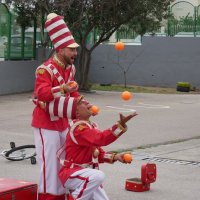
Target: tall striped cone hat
column 59, row 33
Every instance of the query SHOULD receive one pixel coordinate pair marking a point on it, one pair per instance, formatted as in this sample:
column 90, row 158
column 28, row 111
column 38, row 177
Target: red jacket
column 82, row 141
column 45, row 85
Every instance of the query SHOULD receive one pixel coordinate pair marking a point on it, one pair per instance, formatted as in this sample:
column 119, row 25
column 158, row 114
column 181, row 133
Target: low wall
column 159, row 61
column 18, row 76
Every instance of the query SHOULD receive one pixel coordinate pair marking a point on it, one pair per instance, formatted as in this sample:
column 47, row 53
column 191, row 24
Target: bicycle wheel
column 20, row 153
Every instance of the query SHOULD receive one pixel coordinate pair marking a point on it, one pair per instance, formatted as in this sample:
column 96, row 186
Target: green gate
column 184, row 20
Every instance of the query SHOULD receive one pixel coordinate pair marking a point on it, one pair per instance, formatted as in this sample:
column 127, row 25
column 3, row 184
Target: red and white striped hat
column 59, row 33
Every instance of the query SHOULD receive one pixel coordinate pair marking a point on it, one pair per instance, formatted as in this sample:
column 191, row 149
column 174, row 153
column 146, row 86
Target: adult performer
column 56, row 101
column 79, row 174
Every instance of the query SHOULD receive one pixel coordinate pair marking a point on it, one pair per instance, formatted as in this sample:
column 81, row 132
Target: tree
column 104, row 16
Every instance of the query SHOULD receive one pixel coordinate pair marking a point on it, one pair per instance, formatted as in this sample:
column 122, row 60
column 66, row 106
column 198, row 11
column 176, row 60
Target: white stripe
column 55, row 88
column 60, row 79
column 117, row 131
column 60, row 151
column 72, row 137
column 73, row 69
column 61, row 161
column 107, row 156
column 55, row 70
column 55, row 24
column 72, row 72
column 151, row 106
column 69, row 107
column 71, row 123
column 66, row 39
column 58, row 33
column 121, row 108
column 51, row 106
column 53, row 118
column 74, row 126
column 95, row 160
column 46, row 68
column 57, row 94
column 60, row 106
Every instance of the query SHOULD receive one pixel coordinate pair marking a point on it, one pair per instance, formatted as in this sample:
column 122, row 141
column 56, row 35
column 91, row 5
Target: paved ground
column 166, row 132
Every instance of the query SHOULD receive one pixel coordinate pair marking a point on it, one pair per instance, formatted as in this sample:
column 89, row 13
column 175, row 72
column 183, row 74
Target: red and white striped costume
column 48, row 90
column 50, row 122
column 80, row 174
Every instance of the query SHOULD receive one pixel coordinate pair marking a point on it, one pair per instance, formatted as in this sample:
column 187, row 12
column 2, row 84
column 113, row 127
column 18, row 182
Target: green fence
column 184, row 20
column 15, row 43
column 4, row 29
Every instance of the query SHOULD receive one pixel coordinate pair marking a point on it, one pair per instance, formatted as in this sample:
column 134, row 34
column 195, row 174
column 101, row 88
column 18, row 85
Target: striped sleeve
column 57, row 91
column 63, row 107
column 109, row 157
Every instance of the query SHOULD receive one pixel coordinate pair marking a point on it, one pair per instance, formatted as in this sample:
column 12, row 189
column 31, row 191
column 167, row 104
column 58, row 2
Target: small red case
column 148, row 175
column 18, row 190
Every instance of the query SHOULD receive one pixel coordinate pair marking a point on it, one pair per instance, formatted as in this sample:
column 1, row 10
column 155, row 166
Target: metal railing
column 15, row 43
column 19, row 44
column 184, row 19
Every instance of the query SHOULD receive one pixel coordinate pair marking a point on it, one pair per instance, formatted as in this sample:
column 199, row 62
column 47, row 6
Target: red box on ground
column 17, row 189
column 148, row 175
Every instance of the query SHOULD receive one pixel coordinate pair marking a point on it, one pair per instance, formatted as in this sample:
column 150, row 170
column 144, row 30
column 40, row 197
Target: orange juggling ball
column 73, row 84
column 94, row 109
column 126, row 95
column 119, row 46
column 127, row 158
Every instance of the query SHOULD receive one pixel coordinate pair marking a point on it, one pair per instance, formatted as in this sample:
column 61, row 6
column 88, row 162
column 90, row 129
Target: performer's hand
column 124, row 119
column 120, row 157
column 70, row 87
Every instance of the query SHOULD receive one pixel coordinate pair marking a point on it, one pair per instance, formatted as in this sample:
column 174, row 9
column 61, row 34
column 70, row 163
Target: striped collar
column 60, row 63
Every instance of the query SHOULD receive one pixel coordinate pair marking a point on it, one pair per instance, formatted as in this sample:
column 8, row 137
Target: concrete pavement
column 178, row 173
column 166, row 132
